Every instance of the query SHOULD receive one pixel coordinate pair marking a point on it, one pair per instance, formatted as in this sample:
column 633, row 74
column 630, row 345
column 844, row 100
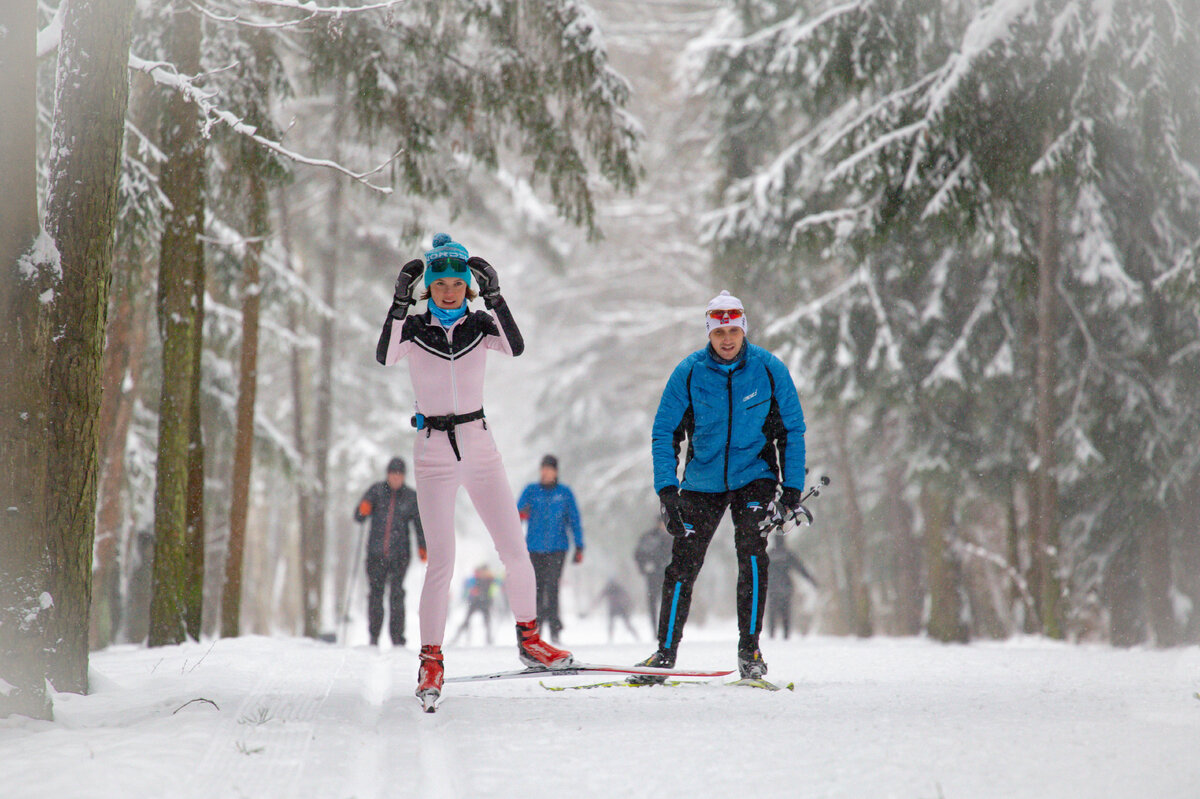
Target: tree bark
column 182, row 252
column 311, row 543
column 314, row 553
column 243, row 446
column 1045, row 521
column 194, row 561
column 906, row 566
column 123, row 356
column 92, row 91
column 1154, row 552
column 945, row 597
column 859, row 599
column 25, row 633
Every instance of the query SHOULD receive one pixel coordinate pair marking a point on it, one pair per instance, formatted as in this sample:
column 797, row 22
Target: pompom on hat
column 735, row 315
column 448, row 258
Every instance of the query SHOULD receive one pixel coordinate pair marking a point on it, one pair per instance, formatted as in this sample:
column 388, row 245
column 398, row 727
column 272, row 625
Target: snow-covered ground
column 290, row 718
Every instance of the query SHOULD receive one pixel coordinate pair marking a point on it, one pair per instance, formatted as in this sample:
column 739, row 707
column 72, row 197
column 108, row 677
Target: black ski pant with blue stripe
column 703, row 511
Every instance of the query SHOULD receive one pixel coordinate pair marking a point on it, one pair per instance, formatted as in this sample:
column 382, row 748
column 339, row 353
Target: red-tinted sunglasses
column 721, row 313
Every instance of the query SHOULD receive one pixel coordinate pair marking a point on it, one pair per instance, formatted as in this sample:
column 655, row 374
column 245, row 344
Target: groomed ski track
column 296, row 719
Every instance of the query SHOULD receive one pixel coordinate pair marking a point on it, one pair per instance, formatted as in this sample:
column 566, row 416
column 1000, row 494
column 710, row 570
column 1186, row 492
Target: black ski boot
column 659, row 660
column 751, row 665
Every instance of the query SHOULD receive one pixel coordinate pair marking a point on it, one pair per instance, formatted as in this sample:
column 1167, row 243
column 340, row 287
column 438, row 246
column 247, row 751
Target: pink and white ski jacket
column 447, row 365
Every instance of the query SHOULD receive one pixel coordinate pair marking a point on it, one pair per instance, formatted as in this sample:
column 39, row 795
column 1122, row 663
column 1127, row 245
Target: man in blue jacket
column 549, row 507
column 737, row 407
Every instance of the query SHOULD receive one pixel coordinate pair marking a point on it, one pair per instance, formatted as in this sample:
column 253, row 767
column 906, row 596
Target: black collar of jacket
column 466, row 335
column 718, row 363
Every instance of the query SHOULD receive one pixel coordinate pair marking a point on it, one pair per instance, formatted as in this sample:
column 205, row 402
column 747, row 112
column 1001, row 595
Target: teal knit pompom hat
column 448, row 258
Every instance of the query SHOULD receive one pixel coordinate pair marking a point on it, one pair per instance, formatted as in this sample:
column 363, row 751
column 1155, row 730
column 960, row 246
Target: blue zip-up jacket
column 743, row 422
column 551, row 511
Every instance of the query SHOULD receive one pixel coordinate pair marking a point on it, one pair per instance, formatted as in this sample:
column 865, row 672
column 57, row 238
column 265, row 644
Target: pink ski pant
column 481, row 472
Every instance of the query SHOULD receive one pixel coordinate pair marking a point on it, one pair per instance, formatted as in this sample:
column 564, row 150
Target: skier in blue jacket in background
column 549, row 507
column 737, row 407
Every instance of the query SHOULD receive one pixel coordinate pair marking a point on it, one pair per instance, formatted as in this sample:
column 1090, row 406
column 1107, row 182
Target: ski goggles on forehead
column 726, row 313
column 447, row 265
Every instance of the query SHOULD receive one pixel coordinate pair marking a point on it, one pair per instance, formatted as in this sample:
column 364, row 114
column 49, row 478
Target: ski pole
column 352, row 580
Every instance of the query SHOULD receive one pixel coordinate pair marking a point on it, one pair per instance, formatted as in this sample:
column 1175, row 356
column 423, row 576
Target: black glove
column 671, row 509
column 406, row 281
column 485, row 274
column 793, row 510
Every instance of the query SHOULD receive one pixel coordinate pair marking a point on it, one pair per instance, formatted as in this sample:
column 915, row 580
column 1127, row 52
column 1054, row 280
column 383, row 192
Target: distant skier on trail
column 618, row 603
column 447, row 346
column 737, row 406
column 652, row 555
column 780, row 589
column 478, row 591
column 392, row 508
column 550, row 510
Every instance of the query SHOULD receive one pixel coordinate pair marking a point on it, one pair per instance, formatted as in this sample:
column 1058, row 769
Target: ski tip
column 429, row 701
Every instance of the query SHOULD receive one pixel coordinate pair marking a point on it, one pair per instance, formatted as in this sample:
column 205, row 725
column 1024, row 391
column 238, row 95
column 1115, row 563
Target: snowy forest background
column 969, row 227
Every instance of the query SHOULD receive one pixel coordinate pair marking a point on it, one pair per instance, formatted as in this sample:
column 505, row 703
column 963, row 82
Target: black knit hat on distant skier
column 397, row 465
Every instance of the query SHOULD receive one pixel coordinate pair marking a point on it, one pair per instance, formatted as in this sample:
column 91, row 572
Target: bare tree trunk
column 1186, row 524
column 193, row 614
column 1154, row 551
column 945, row 598
column 328, row 342
column 123, row 356
column 906, row 556
column 243, row 446
column 1122, row 596
column 859, row 603
column 92, row 91
column 182, row 252
column 1045, row 520
column 311, row 543
column 25, row 632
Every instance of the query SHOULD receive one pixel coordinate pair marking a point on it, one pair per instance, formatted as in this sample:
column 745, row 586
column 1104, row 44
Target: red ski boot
column 429, row 677
column 536, row 653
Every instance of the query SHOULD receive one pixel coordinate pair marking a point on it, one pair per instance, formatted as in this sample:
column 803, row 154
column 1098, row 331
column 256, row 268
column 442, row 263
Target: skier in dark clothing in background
column 737, row 406
column 780, row 588
column 652, row 555
column 619, row 604
column 392, row 509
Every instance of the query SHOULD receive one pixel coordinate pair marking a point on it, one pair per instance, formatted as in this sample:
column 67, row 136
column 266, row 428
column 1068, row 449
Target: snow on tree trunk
column 91, row 96
column 25, row 636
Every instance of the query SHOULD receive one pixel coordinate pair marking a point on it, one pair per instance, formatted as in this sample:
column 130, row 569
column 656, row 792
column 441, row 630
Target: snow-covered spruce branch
column 975, row 550
column 167, row 75
column 309, row 9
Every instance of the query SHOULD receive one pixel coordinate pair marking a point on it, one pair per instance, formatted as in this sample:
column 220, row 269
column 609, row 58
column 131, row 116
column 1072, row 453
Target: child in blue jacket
column 736, row 406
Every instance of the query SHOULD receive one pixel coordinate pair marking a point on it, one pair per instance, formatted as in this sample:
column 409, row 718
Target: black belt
column 446, row 423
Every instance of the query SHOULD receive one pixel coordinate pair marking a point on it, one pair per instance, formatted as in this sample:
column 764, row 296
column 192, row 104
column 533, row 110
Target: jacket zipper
column 729, row 425
column 387, row 532
column 453, row 380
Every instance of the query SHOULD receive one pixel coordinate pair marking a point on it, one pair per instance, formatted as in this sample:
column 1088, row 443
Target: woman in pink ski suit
column 447, row 351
